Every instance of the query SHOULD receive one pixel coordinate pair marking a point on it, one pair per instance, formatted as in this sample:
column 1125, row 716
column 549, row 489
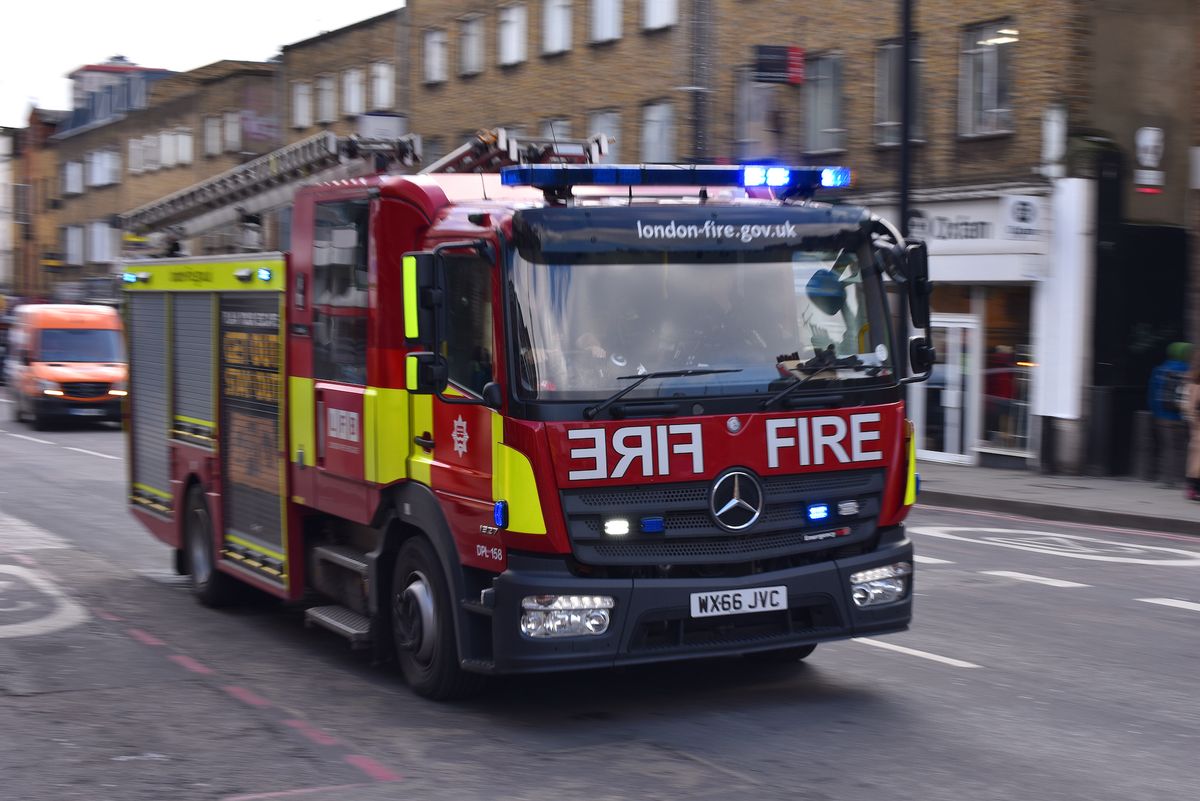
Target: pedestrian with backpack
column 1165, row 396
column 1191, row 413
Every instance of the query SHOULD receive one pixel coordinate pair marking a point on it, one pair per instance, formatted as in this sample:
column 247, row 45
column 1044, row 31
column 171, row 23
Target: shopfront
column 988, row 258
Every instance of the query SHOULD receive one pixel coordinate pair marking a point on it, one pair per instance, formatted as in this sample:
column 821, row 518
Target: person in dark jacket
column 1165, row 394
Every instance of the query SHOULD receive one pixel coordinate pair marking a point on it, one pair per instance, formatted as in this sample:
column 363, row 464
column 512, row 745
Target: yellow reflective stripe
column 513, row 481
column 385, row 431
column 410, row 373
column 254, row 546
column 201, row 275
column 152, row 491
column 302, row 419
column 420, row 462
column 910, row 488
column 411, row 329
column 196, row 421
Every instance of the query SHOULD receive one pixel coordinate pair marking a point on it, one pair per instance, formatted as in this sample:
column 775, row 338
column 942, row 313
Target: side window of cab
column 469, row 332
column 340, row 297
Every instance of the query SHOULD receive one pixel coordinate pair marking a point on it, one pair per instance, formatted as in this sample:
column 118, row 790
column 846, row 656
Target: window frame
column 326, row 105
column 232, row 141
column 654, row 158
column 302, row 104
column 472, row 35
column 613, row 156
column 213, row 135
column 659, row 15
column 383, row 86
column 322, row 275
column 996, row 62
column 812, row 82
column 603, row 15
column 435, row 71
column 520, row 24
column 354, row 101
column 889, row 103
column 557, row 18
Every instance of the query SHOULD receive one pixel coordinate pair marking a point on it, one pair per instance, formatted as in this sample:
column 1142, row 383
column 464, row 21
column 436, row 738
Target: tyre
column 423, row 625
column 784, row 655
column 210, row 586
column 39, row 421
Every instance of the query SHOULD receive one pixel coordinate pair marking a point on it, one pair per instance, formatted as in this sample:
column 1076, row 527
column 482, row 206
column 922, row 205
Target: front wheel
column 210, row 586
column 423, row 625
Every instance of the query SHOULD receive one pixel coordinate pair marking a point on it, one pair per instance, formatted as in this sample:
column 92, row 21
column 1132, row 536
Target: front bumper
column 97, row 409
column 651, row 618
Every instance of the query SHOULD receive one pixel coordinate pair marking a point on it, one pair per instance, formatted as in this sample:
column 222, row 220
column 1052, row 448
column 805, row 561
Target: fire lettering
column 651, row 446
column 818, row 438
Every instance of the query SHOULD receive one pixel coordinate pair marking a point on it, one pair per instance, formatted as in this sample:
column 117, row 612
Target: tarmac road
column 1046, row 661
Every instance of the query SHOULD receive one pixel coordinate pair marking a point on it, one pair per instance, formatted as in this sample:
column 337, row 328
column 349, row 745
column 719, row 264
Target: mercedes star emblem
column 736, row 500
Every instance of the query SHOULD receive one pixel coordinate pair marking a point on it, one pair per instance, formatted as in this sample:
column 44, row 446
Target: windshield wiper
column 823, row 361
column 591, row 411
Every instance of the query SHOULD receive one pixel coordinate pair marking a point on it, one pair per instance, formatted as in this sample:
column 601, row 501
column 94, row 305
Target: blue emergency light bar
column 792, row 180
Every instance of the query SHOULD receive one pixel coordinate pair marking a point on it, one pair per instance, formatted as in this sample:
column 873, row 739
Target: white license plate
column 739, row 602
column 87, row 412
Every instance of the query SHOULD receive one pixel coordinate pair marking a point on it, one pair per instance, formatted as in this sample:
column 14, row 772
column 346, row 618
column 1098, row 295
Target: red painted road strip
column 145, row 637
column 25, row 559
column 191, row 664
column 246, row 696
column 109, row 616
column 376, row 771
column 311, row 732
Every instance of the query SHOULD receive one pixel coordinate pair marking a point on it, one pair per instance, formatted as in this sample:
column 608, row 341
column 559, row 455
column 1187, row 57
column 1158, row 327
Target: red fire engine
column 563, row 415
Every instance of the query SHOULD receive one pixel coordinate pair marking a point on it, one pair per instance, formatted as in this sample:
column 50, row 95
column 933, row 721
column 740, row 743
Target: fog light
column 565, row 615
column 617, row 527
column 848, row 508
column 880, row 585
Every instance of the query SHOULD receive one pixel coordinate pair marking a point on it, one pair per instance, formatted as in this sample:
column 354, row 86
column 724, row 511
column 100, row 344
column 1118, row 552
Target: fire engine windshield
column 772, row 315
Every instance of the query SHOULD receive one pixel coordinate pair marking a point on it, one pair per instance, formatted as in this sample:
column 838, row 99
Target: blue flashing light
column 917, row 476
column 129, row 278
column 652, row 525
column 818, row 511
column 564, row 176
column 264, row 275
column 500, row 514
column 836, row 177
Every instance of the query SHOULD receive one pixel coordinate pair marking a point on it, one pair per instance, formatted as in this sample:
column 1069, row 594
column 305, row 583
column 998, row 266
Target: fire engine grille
column 84, row 389
column 690, row 536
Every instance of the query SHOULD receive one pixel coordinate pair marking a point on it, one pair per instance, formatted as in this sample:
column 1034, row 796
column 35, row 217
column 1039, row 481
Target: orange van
column 66, row 361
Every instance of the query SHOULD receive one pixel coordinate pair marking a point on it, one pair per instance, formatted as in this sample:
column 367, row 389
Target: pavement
column 1106, row 501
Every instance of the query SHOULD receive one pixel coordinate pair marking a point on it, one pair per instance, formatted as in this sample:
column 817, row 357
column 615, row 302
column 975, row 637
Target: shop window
column 469, row 322
column 340, row 279
column 1008, row 368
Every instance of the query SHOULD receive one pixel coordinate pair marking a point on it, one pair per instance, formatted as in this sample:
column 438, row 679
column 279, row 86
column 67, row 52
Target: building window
column 135, row 156
column 658, row 14
column 340, row 292
column 511, row 35
column 92, row 168
column 73, row 178
column 301, row 104
column 606, row 20
column 183, row 145
column 150, row 152
column 101, row 244
column 212, row 137
column 353, row 92
column 658, row 133
column 823, row 87
column 233, row 131
column 888, row 93
column 326, row 99
column 556, row 128
column 382, row 80
column 759, row 121
column 556, row 26
column 984, row 79
column 608, row 123
column 471, row 46
column 73, row 244
column 166, row 148
column 435, row 56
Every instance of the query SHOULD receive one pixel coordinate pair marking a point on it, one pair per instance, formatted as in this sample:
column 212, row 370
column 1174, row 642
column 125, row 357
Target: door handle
column 320, row 429
column 425, row 441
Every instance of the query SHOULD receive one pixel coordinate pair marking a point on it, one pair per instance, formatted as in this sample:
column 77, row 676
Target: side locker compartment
column 149, row 387
column 193, row 349
column 251, row 442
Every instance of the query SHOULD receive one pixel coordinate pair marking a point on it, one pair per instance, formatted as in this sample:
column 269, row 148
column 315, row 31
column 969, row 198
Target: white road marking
column 91, row 453
column 1194, row 607
column 1049, row 582
column 31, row 439
column 945, row 660
column 17, row 536
column 1068, row 545
column 66, row 612
column 5, row 400
column 930, row 560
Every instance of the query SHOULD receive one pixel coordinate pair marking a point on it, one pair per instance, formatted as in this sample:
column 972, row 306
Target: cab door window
column 469, row 334
column 340, row 279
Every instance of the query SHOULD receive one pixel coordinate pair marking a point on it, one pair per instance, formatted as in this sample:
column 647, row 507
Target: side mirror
column 426, row 373
column 423, row 298
column 916, row 268
column 921, row 355
column 493, row 396
column 826, row 292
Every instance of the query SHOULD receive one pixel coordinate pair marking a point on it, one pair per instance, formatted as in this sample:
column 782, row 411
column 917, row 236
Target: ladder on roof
column 241, row 194
column 489, row 150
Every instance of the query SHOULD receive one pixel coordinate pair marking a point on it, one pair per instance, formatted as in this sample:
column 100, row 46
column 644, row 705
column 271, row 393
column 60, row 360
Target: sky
column 43, row 40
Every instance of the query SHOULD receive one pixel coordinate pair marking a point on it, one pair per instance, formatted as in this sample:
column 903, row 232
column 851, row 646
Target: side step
column 350, row 624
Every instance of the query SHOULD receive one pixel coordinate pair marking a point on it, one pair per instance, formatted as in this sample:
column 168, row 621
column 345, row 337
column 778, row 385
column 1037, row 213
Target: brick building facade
column 35, row 175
